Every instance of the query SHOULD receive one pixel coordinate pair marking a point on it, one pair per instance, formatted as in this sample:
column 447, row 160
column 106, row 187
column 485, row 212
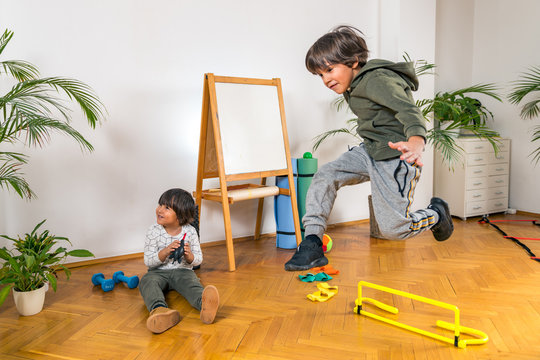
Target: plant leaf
column 4, row 293
column 52, row 281
column 80, row 253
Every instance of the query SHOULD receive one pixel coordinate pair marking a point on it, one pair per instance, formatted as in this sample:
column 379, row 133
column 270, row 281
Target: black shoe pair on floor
column 310, row 252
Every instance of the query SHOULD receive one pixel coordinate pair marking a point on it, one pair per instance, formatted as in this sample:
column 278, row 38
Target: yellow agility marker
column 455, row 327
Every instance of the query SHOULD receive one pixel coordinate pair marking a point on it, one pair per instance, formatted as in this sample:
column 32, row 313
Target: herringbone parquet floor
column 265, row 314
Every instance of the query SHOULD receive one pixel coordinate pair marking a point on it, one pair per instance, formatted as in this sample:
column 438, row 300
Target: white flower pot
column 30, row 302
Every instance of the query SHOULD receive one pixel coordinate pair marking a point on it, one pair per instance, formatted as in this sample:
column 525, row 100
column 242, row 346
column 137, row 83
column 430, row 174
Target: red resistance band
column 485, row 220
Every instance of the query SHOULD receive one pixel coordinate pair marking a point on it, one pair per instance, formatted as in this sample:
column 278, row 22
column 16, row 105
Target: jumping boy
column 379, row 93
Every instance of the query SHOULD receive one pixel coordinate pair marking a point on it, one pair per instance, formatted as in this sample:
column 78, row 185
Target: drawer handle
column 478, row 159
column 499, row 181
column 477, row 196
column 479, row 147
column 498, row 193
column 498, row 204
column 478, row 172
column 479, row 183
column 499, row 169
column 477, row 207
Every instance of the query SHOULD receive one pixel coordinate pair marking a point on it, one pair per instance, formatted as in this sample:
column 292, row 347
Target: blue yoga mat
column 285, row 236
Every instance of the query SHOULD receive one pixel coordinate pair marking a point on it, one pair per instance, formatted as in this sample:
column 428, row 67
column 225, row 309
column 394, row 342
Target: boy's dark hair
column 181, row 202
column 342, row 45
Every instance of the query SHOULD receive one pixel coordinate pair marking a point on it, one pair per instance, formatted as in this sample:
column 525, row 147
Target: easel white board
column 243, row 136
column 250, row 126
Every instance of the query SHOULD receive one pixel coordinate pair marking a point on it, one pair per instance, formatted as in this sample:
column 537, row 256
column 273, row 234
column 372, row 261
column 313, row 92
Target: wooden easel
column 230, row 165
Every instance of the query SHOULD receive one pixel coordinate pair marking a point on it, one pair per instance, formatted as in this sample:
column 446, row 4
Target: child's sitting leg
column 152, row 286
column 206, row 299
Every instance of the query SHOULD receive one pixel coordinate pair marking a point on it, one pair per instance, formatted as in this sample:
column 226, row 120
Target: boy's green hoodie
column 381, row 96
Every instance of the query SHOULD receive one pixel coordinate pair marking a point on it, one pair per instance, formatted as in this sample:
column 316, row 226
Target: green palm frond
column 13, row 156
column 319, row 139
column 421, row 67
column 36, row 93
column 443, row 140
column 531, row 109
column 20, row 70
column 38, row 130
column 10, row 177
column 82, row 94
column 27, row 97
column 536, row 152
column 4, row 39
column 339, row 103
column 528, row 83
column 489, row 89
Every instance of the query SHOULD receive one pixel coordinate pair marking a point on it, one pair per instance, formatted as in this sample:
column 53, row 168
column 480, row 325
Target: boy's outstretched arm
column 411, row 149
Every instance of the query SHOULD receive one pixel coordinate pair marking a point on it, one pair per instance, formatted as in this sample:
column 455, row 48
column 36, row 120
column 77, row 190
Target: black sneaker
column 308, row 255
column 444, row 228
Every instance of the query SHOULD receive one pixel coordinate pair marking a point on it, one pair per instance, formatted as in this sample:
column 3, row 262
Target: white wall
column 492, row 41
column 146, row 61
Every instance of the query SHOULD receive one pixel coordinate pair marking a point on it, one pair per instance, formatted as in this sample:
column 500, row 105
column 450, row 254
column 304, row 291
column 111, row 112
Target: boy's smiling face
column 338, row 77
column 166, row 217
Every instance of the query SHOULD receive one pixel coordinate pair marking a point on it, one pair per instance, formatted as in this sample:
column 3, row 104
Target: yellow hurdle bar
column 455, row 327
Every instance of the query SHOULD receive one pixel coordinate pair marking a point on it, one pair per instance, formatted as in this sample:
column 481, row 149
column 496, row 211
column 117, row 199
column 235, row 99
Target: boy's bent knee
column 393, row 234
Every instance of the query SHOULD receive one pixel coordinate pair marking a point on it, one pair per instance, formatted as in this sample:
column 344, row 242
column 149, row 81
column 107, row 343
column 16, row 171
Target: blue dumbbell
column 106, row 284
column 131, row 281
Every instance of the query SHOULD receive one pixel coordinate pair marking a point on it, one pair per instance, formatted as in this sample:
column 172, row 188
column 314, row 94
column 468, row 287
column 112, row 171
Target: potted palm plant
column 31, row 266
column 528, row 86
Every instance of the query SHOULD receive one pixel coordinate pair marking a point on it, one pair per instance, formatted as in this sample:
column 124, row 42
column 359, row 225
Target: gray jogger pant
column 156, row 282
column 392, row 190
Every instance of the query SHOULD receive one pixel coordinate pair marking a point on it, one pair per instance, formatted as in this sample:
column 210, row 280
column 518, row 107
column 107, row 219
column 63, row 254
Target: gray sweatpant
column 392, row 190
column 156, row 282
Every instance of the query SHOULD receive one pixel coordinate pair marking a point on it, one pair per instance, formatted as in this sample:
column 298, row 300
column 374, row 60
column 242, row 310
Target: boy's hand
column 411, row 149
column 188, row 255
column 165, row 252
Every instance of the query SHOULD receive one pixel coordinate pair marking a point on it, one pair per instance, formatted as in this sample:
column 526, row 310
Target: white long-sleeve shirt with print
column 157, row 239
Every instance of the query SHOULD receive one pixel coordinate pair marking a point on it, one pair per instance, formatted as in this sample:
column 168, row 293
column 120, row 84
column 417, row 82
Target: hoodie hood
column 404, row 69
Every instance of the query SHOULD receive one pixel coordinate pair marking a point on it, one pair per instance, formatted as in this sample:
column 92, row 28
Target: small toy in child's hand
column 177, row 254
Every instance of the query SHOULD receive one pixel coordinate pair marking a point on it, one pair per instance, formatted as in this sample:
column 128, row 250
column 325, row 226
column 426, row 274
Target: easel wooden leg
column 259, row 214
column 228, row 235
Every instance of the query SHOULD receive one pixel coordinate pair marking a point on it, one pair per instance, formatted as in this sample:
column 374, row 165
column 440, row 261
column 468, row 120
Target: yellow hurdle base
column 455, row 327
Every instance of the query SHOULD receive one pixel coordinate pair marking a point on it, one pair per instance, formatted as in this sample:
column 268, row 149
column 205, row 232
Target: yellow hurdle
column 455, row 327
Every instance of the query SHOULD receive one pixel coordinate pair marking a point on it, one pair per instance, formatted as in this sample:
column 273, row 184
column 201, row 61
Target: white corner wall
column 493, row 41
column 146, row 61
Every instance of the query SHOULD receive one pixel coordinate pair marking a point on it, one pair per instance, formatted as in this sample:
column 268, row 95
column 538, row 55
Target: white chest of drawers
column 478, row 186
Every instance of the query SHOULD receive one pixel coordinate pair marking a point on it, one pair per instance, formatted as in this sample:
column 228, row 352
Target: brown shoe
column 210, row 304
column 161, row 319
